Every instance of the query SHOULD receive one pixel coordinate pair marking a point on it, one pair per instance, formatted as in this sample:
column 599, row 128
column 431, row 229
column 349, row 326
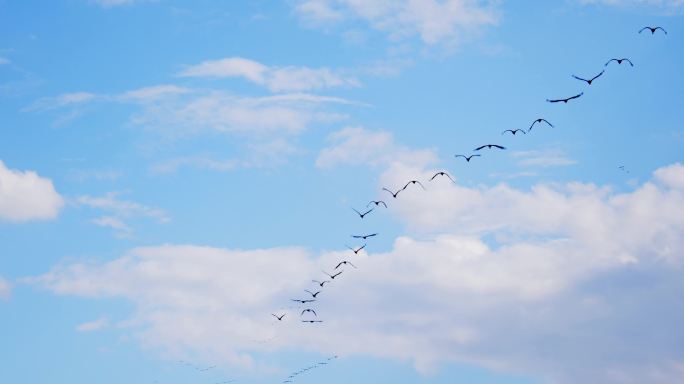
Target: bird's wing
column 609, row 61
column 662, row 29
column 642, row 29
column 356, row 211
column 478, row 148
column 362, row 247
column 338, row 265
column 508, row 130
column 385, row 189
column 576, row 96
column 463, row 156
column 629, row 61
column 522, row 130
column 546, row 121
column 368, row 211
column 597, row 76
column 579, row 78
column 436, row 174
column 383, row 203
column 351, row 264
column 498, row 146
column 419, row 183
column 553, row 101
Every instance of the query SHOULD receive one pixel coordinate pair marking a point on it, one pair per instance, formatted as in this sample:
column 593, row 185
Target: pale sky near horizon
column 172, row 173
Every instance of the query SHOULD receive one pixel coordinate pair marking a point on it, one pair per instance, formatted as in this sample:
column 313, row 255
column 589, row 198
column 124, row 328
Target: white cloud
column 24, row 195
column 545, row 282
column 121, row 228
column 94, row 325
column 148, row 94
column 61, row 101
column 276, row 79
column 119, row 211
column 359, row 146
column 5, row 289
column 432, row 20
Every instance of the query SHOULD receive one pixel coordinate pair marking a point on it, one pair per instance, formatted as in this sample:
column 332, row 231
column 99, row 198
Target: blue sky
column 171, row 173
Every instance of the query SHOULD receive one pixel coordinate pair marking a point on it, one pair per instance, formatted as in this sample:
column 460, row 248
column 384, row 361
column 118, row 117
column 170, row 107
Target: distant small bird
column 206, row 369
column 345, row 262
column 280, row 318
column 394, row 194
column 362, row 215
column 333, row 276
column 378, row 202
column 467, row 157
column 364, row 236
column 356, row 251
column 308, row 310
column 619, row 61
column 442, row 173
column 489, row 146
column 320, row 283
column 312, row 321
column 539, row 121
column 303, row 301
column 623, row 168
column 653, row 29
column 588, row 81
column 413, row 182
column 311, row 293
column 565, row 100
column 514, row 131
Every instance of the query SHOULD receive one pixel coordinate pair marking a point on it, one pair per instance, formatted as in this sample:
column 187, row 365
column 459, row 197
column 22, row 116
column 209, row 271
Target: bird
column 345, row 262
column 467, row 157
column 333, row 276
column 539, row 121
column 362, row 215
column 206, row 369
column 489, row 146
column 356, row 251
column 280, row 318
column 364, row 236
column 309, row 310
column 619, row 61
column 565, row 100
column 623, row 168
column 442, row 173
column 321, row 283
column 514, row 131
column 312, row 321
column 378, row 202
column 653, row 29
column 590, row 80
column 303, row 301
column 413, row 182
column 312, row 294
column 393, row 193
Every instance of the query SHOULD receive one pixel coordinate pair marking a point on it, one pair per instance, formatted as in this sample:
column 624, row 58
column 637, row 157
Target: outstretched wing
column 611, row 60
column 661, row 28
column 576, row 96
column 478, row 148
column 642, row 29
column 597, row 76
column 579, row 78
column 508, row 130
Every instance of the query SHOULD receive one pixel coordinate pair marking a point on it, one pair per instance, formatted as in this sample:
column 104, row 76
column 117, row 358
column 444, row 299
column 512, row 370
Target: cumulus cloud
column 432, row 21
column 567, row 283
column 24, row 195
column 276, row 79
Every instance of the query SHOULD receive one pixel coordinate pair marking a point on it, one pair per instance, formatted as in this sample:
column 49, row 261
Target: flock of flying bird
column 310, row 316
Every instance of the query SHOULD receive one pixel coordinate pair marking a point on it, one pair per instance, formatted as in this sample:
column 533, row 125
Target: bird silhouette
column 308, row 310
column 489, row 146
column 653, row 29
column 280, row 318
column 377, row 202
column 514, row 131
column 413, row 182
column 333, row 276
column 312, row 294
column 320, row 283
column 565, row 100
column 345, row 262
column 364, row 236
column 356, row 251
column 467, row 158
column 619, row 61
column 539, row 121
column 589, row 80
column 362, row 215
column 394, row 194
column 312, row 321
column 442, row 173
column 303, row 301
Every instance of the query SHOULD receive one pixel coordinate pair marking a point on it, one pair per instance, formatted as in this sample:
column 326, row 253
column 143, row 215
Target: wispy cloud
column 276, row 79
column 543, row 158
column 431, row 20
column 24, row 196
column 118, row 211
column 94, row 325
column 5, row 289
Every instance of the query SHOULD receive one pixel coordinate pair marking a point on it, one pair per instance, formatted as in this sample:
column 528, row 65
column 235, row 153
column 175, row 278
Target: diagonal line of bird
column 395, row 193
